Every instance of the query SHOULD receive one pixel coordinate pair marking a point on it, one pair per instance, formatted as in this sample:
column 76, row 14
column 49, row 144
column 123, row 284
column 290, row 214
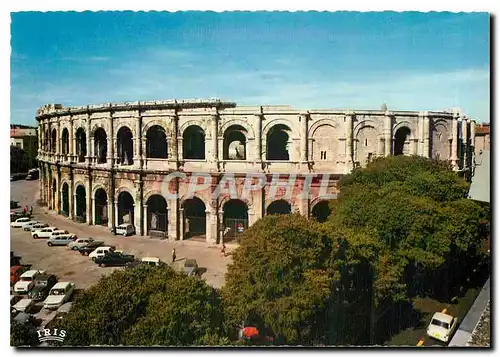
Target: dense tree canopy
column 146, row 306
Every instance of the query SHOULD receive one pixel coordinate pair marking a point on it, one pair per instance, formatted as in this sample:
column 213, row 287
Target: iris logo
column 46, row 335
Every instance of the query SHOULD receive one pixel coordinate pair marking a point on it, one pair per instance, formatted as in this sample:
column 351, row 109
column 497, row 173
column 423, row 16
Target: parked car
column 26, row 281
column 24, row 305
column 14, row 260
column 44, row 232
column 27, row 226
column 14, row 299
column 89, row 248
column 14, row 204
column 15, row 215
column 18, row 223
column 442, row 327
column 79, row 243
column 191, row 267
column 101, row 251
column 125, row 229
column 42, row 286
column 59, row 294
column 154, row 261
column 61, row 239
column 114, row 259
column 15, row 273
column 33, row 174
column 38, row 226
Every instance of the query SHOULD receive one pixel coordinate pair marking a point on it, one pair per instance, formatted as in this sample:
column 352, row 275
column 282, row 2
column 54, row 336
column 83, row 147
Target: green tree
column 281, row 280
column 22, row 335
column 146, row 306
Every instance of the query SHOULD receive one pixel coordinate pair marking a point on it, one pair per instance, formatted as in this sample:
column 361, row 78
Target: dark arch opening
column 81, row 145
column 81, row 203
column 279, row 207
column 54, row 191
column 125, row 145
column 235, row 143
column 401, row 138
column 65, row 142
column 156, row 143
column 278, row 143
column 101, row 207
column 125, row 208
column 46, row 141
column 100, row 145
column 321, row 211
column 193, row 143
column 235, row 219
column 157, row 214
column 53, row 144
column 65, row 199
column 194, row 218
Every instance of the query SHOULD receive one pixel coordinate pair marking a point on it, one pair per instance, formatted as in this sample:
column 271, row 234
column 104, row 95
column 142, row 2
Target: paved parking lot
column 70, row 265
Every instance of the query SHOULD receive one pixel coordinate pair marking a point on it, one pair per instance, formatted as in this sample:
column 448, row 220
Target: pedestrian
column 223, row 250
column 31, row 210
column 24, row 210
column 173, row 255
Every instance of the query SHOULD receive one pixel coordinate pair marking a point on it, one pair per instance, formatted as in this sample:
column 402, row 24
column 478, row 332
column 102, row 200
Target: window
column 366, row 142
column 323, row 155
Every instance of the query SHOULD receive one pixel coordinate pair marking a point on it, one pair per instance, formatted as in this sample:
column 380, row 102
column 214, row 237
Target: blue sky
column 310, row 60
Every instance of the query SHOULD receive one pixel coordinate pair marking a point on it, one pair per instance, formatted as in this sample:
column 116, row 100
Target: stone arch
column 130, row 126
column 100, row 144
column 406, row 124
column 278, row 207
column 65, row 141
column 223, row 200
column 99, row 187
column 274, row 122
column 80, row 144
column 235, row 143
column 402, row 140
column 126, row 207
column 125, row 145
column 279, row 142
column 249, row 128
column 156, row 142
column 235, row 218
column 193, row 143
column 440, row 143
column 324, row 143
column 321, row 210
column 325, row 121
column 189, row 123
column 100, row 196
column 65, row 197
column 195, row 217
column 150, row 193
column 365, row 144
column 121, row 189
column 159, row 122
column 81, row 202
column 365, row 123
column 157, row 213
column 53, row 140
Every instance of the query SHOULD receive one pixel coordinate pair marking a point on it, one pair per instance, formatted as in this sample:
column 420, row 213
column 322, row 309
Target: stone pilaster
column 144, row 228
column 89, row 148
column 388, row 118
column 258, row 140
column 71, row 142
column 454, row 142
column 110, row 143
column 89, row 206
column 211, row 152
column 137, row 142
column 304, row 137
column 426, row 130
column 173, row 219
column 349, row 163
column 172, row 145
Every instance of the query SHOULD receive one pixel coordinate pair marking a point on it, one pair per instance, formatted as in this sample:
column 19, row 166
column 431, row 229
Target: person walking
column 173, row 255
column 31, row 210
column 223, row 250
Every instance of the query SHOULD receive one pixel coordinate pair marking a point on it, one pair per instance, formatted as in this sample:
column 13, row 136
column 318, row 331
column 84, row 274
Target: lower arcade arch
column 195, row 221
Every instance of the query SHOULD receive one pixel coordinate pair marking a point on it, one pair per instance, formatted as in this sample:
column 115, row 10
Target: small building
column 482, row 139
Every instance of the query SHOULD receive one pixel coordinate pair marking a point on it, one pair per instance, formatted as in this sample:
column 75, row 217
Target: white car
column 18, row 223
column 27, row 226
column 155, row 261
column 125, row 229
column 26, row 281
column 44, row 232
column 60, row 239
column 38, row 226
column 101, row 251
column 442, row 327
column 58, row 295
column 24, row 305
column 80, row 242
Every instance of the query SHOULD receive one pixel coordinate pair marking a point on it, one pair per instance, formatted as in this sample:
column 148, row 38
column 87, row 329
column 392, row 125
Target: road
column 70, row 265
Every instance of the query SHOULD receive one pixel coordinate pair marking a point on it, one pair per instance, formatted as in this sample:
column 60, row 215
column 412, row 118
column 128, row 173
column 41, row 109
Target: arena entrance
column 81, row 204
column 101, row 207
column 65, row 199
column 195, row 219
column 157, row 216
column 321, row 211
column 279, row 207
column 235, row 220
column 125, row 208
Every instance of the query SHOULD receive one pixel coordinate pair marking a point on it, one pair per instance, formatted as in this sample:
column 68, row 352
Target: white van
column 26, row 281
column 125, row 229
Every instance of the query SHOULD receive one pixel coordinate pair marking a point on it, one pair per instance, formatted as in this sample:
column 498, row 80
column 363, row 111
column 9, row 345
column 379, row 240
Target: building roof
column 482, row 129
